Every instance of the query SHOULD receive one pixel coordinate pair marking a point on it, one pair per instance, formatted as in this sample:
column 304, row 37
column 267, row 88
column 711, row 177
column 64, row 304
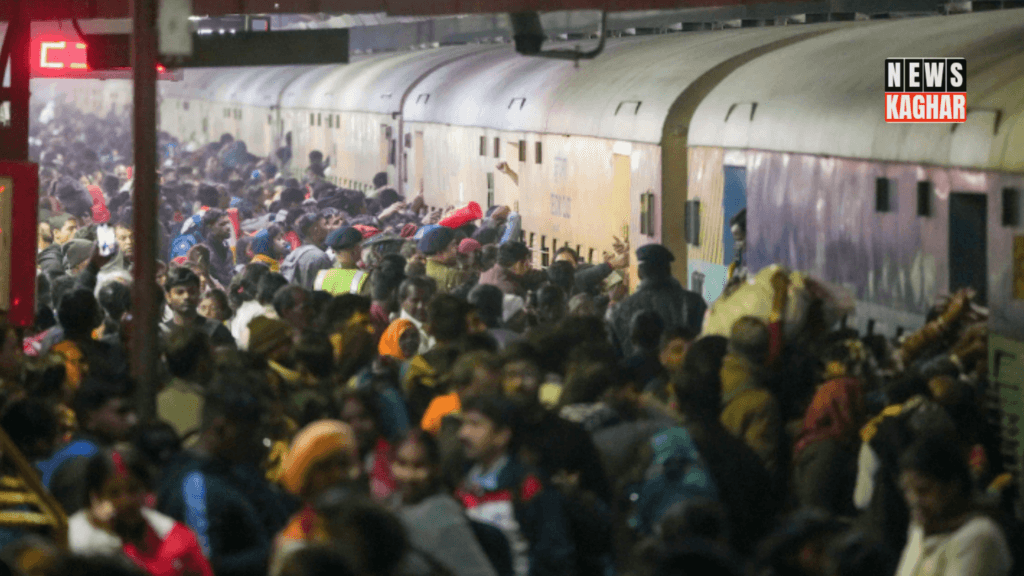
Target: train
column 664, row 138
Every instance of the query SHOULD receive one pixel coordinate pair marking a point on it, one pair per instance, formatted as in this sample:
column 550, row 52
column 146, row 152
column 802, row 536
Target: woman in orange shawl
column 401, row 340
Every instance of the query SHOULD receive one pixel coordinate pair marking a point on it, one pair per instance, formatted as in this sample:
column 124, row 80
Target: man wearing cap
column 513, row 272
column 302, row 265
column 345, row 277
column 441, row 249
column 660, row 292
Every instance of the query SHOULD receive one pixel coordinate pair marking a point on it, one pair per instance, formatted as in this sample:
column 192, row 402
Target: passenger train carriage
column 664, row 138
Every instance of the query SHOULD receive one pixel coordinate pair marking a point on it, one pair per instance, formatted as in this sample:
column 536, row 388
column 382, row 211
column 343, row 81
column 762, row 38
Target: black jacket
column 676, row 306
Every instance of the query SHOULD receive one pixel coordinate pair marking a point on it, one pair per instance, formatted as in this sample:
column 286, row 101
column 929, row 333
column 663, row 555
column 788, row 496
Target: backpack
column 676, row 472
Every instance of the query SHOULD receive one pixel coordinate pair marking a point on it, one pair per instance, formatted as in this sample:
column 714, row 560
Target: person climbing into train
column 345, row 277
column 660, row 292
column 302, row 265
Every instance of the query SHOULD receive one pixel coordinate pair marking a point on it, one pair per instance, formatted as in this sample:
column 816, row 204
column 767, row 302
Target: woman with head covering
column 117, row 522
column 322, row 455
column 269, row 246
column 401, row 340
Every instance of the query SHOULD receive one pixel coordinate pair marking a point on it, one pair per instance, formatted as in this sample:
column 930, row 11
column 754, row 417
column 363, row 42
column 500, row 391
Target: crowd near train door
column 734, row 199
column 968, row 244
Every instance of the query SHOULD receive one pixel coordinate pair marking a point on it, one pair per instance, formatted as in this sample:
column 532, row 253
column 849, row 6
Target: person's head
column 182, row 288
column 45, row 232
column 521, row 373
column 414, row 295
column 232, row 418
column 416, row 467
column 215, row 306
column 321, row 456
column 749, row 339
column 400, row 340
column 349, row 311
column 551, row 305
column 645, row 329
column 475, row 373
column 358, row 526
column 654, row 261
column 292, row 198
column 675, row 341
column 694, row 518
column 488, row 300
column 446, row 318
column 488, row 256
column 311, row 228
column 244, row 288
column 124, row 237
column 103, row 407
column 587, row 382
column 800, row 543
column 568, row 255
column 488, row 424
column 294, row 305
column 387, row 280
column 361, row 410
column 79, row 313
column 738, row 227
column 116, row 482
column 513, row 313
column 63, row 227
column 189, row 354
column 208, row 196
column 268, row 286
column 697, row 384
column 514, row 257
column 32, row 426
column 270, row 338
column 317, row 560
column 115, row 297
column 440, row 244
column 270, row 242
column 347, row 245
column 936, row 482
column 216, row 225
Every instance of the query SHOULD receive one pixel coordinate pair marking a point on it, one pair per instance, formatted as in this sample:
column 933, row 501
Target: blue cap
column 344, row 238
column 436, row 240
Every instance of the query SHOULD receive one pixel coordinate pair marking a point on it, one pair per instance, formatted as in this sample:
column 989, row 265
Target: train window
column 590, row 256
column 924, row 198
column 392, row 151
column 537, row 153
column 318, row 120
column 545, row 254
column 884, row 189
column 531, row 240
column 337, row 120
column 697, row 282
column 483, row 145
column 312, row 119
column 405, row 166
column 1011, row 207
column 490, row 189
column 577, row 253
column 692, row 222
column 184, row 105
column 497, row 147
column 330, row 121
column 522, row 237
column 627, row 106
column 522, row 150
column 206, row 124
column 270, row 119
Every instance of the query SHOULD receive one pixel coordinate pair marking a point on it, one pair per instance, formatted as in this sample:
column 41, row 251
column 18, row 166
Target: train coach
column 664, row 138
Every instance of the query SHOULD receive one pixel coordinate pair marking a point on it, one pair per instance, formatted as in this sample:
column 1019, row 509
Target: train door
column 968, row 244
column 622, row 185
column 734, row 199
column 419, row 159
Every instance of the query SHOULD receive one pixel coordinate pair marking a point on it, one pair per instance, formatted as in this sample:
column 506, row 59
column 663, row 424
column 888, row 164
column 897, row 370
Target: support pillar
column 14, row 138
column 145, row 294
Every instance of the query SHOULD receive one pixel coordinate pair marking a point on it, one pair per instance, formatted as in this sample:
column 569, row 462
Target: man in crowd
column 182, row 289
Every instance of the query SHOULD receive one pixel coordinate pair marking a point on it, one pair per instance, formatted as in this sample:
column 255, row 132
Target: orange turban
column 389, row 340
column 315, row 443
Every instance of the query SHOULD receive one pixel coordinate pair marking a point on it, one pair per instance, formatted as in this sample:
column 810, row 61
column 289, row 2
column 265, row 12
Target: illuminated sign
column 66, row 56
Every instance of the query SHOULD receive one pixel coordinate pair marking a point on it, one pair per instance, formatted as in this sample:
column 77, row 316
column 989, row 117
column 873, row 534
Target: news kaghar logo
column 925, row 89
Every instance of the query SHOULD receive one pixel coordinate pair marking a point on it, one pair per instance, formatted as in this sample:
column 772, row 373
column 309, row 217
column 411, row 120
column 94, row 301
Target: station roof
column 64, row 9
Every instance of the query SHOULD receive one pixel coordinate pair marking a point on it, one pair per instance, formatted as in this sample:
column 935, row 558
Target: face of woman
column 209, row 308
column 414, row 474
column 281, row 245
column 409, row 342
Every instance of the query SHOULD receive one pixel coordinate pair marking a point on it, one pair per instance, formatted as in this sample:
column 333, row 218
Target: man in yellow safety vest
column 346, row 277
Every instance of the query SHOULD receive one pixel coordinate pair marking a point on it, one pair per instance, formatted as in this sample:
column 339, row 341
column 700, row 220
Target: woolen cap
column 655, row 254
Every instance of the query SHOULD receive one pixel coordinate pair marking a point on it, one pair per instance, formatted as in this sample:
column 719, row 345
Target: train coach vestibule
column 968, row 244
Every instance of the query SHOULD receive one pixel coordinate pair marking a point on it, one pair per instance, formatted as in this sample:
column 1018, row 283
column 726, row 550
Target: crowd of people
column 352, row 383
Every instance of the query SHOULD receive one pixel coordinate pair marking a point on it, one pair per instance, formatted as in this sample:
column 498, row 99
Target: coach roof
column 833, row 103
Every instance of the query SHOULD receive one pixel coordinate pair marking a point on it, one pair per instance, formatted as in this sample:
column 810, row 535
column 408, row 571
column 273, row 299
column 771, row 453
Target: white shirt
column 84, row 538
column 240, row 323
column 978, row 548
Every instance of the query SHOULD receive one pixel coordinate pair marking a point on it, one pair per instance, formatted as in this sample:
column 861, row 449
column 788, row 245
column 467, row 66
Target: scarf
column 834, row 413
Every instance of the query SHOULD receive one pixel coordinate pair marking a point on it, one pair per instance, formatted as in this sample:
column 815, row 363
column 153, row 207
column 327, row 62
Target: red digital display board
column 59, row 55
column 53, row 55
